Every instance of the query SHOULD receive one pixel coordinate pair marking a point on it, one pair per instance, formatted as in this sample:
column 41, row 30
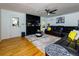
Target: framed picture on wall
column 15, row 21
column 60, row 20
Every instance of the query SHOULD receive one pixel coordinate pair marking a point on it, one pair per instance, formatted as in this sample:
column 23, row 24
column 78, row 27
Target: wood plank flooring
column 19, row 47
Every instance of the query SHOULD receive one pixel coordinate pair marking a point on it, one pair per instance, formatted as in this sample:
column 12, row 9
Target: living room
column 26, row 30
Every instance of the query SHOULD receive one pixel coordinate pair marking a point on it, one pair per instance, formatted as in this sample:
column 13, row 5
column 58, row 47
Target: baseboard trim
column 10, row 38
column 0, row 40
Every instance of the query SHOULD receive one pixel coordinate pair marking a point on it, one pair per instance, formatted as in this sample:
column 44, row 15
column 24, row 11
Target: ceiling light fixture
column 48, row 13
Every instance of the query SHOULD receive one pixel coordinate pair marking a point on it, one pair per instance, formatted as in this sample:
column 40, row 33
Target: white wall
column 43, row 22
column 6, row 25
column 70, row 20
column 0, row 24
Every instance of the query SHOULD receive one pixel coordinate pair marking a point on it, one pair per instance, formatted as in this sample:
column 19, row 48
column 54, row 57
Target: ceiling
column 39, row 8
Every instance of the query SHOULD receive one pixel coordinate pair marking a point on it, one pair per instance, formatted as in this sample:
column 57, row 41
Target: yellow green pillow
column 72, row 36
column 49, row 29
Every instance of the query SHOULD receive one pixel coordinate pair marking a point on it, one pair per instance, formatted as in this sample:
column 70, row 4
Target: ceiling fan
column 50, row 11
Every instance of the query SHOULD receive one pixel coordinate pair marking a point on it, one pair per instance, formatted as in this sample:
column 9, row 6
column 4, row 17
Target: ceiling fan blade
column 53, row 13
column 50, row 12
column 53, row 10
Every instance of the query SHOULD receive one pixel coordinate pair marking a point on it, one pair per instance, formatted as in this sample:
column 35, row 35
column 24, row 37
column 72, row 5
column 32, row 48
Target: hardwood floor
column 18, row 47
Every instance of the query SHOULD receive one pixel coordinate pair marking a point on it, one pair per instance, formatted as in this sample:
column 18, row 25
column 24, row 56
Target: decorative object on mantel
column 60, row 20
